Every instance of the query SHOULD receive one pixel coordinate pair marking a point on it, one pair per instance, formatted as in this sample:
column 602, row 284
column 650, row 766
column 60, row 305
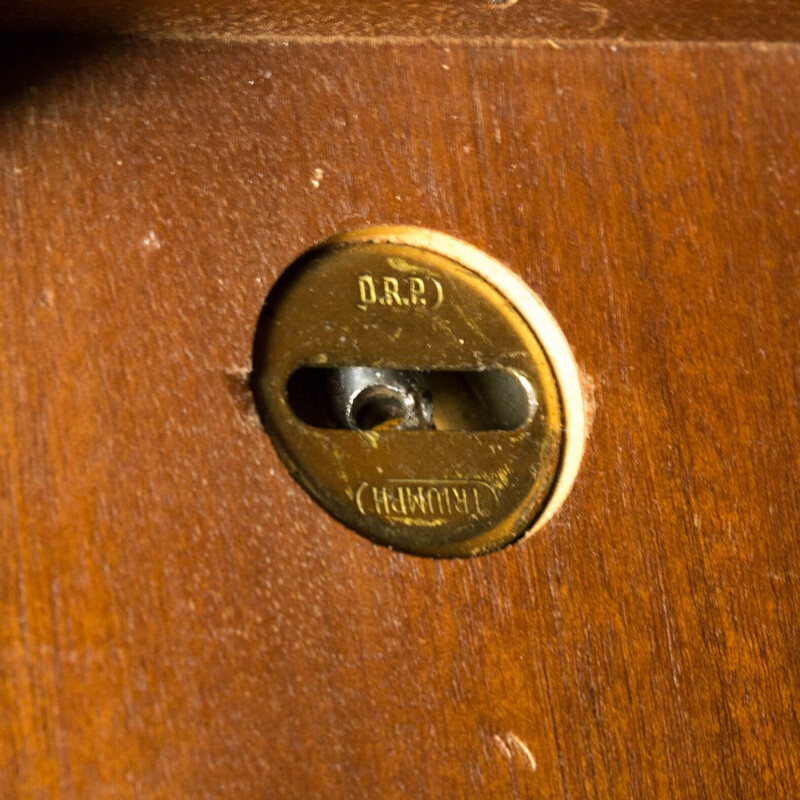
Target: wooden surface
column 629, row 20
column 179, row 620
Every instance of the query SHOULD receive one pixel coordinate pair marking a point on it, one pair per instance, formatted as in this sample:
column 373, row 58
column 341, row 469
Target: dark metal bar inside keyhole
column 374, row 399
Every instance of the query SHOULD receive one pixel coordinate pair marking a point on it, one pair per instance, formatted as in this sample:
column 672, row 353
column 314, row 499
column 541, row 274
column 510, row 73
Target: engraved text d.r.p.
column 402, row 290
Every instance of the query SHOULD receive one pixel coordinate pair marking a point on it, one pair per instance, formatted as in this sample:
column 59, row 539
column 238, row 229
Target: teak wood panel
column 179, row 620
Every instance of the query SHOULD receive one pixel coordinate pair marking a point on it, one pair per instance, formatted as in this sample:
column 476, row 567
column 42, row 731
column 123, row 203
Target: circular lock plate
column 404, row 312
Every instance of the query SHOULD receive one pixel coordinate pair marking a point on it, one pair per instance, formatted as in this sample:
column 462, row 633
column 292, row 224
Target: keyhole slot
column 381, row 399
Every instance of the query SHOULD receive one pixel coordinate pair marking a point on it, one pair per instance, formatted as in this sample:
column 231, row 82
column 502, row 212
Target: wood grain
column 630, row 20
column 179, row 620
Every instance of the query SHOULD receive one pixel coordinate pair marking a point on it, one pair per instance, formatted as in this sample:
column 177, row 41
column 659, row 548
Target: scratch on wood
column 590, row 402
column 502, row 745
column 510, row 743
column 602, row 15
column 151, row 241
column 522, row 748
column 46, row 299
column 238, row 383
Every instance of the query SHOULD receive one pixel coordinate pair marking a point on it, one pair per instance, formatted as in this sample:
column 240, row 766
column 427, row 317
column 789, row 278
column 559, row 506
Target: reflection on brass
column 408, row 396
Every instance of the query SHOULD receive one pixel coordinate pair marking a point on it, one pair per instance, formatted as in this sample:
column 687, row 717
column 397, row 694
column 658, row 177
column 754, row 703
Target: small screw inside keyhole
column 374, row 399
column 379, row 408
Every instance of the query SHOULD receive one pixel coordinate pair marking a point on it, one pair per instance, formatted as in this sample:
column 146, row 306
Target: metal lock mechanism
column 419, row 391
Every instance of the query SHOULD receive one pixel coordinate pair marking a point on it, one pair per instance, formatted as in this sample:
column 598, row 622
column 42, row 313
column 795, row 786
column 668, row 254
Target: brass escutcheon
column 419, row 391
